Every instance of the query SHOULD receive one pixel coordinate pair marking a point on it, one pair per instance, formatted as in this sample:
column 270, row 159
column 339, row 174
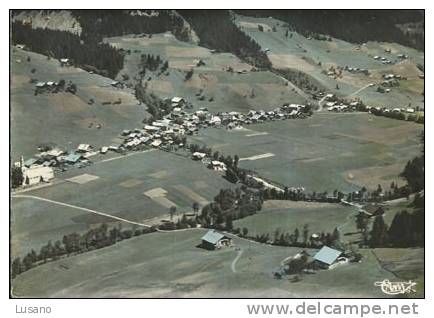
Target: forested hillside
column 61, row 44
column 355, row 26
column 97, row 24
column 216, row 30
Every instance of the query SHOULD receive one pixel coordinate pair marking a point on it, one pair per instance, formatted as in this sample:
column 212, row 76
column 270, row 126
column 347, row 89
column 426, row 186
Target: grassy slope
column 325, row 152
column 302, row 54
column 64, row 118
column 319, row 218
column 169, row 265
column 231, row 92
column 106, row 194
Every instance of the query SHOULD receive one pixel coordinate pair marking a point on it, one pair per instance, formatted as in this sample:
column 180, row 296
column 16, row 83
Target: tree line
column 302, row 80
column 155, row 105
column 75, row 243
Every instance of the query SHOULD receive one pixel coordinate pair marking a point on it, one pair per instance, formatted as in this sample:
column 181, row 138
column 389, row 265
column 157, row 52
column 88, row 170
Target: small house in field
column 84, row 148
column 326, row 257
column 198, row 155
column 218, row 165
column 214, row 240
column 65, row 62
column 177, row 102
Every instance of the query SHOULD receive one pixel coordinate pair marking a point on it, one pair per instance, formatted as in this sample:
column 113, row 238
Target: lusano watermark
column 396, row 288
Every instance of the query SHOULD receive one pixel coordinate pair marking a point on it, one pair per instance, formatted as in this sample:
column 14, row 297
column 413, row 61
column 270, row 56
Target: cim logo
column 396, row 288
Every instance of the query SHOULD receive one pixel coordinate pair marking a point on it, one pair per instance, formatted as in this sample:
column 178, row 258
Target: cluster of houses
column 40, row 168
column 334, row 104
column 342, row 107
column 391, row 80
column 163, row 133
column 34, row 173
column 46, row 86
column 383, row 59
column 54, row 87
column 356, row 70
column 171, row 129
column 212, row 164
column 372, row 109
column 308, row 262
column 236, row 119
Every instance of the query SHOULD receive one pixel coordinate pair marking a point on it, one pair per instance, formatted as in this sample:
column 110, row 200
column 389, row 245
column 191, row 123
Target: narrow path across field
column 124, row 156
column 348, row 219
column 78, row 208
column 97, row 212
column 359, row 90
column 234, row 262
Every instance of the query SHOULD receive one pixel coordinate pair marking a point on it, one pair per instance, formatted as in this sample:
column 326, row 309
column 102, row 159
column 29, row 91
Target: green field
column 119, row 190
column 34, row 223
column 286, row 216
column 170, row 265
column 324, row 152
column 63, row 118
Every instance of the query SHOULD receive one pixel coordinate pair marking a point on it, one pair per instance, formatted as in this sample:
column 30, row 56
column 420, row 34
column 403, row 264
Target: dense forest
column 60, row 44
column 217, row 30
column 86, row 50
column 97, row 24
column 355, row 26
column 406, row 230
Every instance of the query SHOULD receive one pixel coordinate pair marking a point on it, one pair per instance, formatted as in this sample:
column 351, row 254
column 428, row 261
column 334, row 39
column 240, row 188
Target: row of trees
column 301, row 238
column 301, row 80
column 75, row 243
column 155, row 105
column 217, row 30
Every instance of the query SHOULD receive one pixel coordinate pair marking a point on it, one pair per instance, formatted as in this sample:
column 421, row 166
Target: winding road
column 234, row 262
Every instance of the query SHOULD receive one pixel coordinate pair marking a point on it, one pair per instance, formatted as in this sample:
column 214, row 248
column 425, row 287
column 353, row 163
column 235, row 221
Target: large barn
column 215, row 240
